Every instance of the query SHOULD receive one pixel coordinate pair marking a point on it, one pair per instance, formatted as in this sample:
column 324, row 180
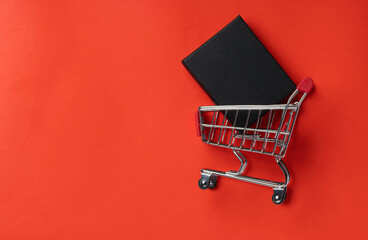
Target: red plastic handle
column 198, row 129
column 306, row 85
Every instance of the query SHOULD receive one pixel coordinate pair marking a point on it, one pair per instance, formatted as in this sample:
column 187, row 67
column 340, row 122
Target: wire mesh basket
column 264, row 129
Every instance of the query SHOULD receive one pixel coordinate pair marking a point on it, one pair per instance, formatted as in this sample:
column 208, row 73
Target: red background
column 97, row 135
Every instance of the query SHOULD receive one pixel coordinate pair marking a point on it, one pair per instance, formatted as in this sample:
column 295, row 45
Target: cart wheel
column 213, row 182
column 279, row 196
column 203, row 183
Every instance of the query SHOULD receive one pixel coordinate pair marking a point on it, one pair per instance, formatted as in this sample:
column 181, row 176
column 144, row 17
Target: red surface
column 97, row 136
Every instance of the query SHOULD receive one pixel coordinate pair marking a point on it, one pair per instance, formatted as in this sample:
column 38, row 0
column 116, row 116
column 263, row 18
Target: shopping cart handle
column 198, row 129
column 306, row 85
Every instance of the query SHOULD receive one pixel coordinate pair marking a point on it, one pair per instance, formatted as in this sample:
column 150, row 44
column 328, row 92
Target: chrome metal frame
column 274, row 134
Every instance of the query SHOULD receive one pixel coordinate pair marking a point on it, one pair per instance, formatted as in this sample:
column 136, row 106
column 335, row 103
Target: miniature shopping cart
column 269, row 134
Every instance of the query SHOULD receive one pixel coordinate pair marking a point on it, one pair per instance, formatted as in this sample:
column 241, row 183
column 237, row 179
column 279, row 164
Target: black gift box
column 233, row 67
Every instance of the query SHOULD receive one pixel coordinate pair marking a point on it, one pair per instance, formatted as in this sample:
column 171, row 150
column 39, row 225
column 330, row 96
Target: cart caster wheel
column 203, row 183
column 278, row 196
column 213, row 182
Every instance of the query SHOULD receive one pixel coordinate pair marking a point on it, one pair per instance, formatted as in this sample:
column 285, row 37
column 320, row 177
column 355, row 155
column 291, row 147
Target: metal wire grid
column 269, row 135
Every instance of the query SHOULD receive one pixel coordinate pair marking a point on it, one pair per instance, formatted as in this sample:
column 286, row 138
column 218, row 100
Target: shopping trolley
column 270, row 134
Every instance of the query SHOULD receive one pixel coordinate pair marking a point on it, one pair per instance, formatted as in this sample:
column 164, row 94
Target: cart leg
column 243, row 163
column 279, row 193
column 209, row 177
